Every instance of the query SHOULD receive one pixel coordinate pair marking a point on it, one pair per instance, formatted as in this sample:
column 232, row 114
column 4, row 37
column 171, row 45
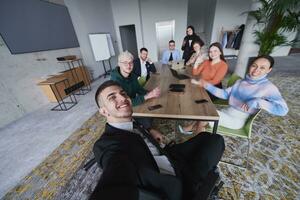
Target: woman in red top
column 215, row 68
column 213, row 71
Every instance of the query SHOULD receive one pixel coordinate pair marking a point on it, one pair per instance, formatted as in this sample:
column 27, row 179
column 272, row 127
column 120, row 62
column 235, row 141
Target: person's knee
column 220, row 141
column 214, row 140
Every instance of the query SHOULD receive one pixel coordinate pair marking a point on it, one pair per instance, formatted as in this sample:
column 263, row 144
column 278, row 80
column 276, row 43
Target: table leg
column 215, row 128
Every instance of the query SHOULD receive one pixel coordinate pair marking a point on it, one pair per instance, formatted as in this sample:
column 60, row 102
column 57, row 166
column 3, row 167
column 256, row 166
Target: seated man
column 131, row 158
column 128, row 80
column 171, row 54
column 143, row 66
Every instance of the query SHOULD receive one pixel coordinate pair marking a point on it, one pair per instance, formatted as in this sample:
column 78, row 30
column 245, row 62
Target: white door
column 164, row 33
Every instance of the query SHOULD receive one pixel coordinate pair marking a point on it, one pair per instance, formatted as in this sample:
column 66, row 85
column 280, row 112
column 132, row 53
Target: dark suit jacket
column 127, row 164
column 137, row 68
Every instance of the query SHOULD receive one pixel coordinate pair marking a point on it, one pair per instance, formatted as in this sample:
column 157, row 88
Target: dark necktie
column 146, row 133
column 171, row 57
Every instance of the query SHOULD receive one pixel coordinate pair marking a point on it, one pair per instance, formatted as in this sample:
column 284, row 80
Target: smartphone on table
column 201, row 101
column 154, row 107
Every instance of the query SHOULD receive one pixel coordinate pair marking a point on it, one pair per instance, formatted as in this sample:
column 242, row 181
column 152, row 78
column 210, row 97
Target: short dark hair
column 269, row 58
column 171, row 41
column 102, row 87
column 143, row 49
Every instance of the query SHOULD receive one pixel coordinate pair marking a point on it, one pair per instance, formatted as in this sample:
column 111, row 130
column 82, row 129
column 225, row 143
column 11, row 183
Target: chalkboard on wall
column 32, row 25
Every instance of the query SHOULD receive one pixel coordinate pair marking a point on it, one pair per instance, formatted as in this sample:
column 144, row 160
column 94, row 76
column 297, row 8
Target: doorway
column 128, row 39
column 164, row 33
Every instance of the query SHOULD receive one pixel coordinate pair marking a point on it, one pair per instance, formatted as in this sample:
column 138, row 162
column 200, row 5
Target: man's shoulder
column 176, row 50
column 136, row 61
column 115, row 73
column 111, row 133
column 166, row 51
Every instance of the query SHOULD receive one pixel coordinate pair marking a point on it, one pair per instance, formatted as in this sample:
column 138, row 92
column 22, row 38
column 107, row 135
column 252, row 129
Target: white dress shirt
column 143, row 68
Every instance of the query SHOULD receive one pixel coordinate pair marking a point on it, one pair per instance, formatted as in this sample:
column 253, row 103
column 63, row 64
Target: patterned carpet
column 274, row 159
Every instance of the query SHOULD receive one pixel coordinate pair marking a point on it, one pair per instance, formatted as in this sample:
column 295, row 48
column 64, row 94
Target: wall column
column 248, row 48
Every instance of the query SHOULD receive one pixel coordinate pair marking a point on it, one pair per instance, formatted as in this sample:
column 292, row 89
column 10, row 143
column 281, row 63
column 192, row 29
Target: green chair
column 232, row 79
column 244, row 132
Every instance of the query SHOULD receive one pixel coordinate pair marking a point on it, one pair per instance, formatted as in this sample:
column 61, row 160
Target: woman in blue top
column 246, row 96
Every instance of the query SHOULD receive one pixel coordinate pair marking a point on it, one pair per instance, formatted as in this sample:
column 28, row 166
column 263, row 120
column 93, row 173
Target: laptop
column 179, row 76
column 177, row 64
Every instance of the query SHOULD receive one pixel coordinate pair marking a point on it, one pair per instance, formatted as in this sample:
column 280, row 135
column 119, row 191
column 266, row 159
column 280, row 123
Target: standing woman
column 188, row 41
column 214, row 69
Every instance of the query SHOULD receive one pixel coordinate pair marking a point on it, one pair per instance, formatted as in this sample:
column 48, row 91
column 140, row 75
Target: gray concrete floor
column 25, row 143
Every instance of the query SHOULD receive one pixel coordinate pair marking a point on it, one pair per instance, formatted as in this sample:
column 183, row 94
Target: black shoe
column 214, row 193
column 205, row 189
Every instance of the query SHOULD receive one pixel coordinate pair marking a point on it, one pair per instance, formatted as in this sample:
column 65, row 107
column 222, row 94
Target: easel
column 106, row 72
column 103, row 50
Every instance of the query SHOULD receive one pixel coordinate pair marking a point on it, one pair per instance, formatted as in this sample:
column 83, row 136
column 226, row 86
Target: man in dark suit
column 142, row 66
column 131, row 158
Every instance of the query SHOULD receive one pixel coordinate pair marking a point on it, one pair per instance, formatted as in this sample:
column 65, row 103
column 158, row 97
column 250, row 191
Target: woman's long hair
column 219, row 46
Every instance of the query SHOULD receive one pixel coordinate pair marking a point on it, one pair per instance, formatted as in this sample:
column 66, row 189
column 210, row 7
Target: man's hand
column 149, row 60
column 157, row 136
column 153, row 94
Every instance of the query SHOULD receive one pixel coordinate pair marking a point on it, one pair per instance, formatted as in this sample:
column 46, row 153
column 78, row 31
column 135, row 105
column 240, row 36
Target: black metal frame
column 70, row 63
column 105, row 71
column 61, row 103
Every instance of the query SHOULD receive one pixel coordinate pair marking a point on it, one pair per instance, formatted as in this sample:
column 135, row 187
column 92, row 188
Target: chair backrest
column 249, row 123
column 233, row 78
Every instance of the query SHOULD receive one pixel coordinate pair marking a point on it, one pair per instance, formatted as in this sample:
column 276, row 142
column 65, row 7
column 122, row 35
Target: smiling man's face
column 115, row 105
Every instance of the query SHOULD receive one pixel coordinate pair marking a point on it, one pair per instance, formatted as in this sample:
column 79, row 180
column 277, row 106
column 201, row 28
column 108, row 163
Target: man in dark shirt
column 143, row 66
column 132, row 159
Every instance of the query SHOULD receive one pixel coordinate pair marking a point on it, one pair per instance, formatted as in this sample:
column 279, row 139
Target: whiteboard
column 101, row 46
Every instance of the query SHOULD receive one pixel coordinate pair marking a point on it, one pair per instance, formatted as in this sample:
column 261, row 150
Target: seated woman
column 214, row 69
column 247, row 96
column 197, row 57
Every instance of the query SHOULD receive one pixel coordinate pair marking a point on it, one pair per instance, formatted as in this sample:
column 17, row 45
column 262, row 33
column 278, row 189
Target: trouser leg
column 200, row 154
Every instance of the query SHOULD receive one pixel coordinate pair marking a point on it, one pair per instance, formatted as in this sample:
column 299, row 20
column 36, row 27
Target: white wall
column 126, row 12
column 228, row 14
column 153, row 11
column 144, row 14
column 92, row 16
column 19, row 94
column 209, row 19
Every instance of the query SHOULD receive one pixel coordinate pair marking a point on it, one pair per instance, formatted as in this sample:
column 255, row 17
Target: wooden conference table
column 177, row 105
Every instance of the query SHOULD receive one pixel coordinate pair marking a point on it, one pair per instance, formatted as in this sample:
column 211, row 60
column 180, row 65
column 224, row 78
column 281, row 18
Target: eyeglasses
column 127, row 63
